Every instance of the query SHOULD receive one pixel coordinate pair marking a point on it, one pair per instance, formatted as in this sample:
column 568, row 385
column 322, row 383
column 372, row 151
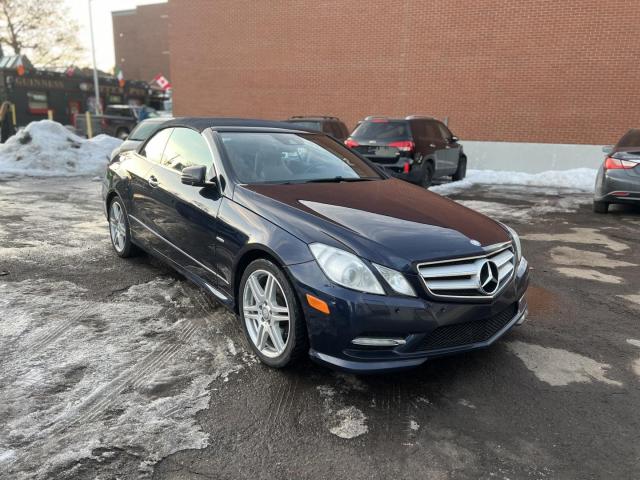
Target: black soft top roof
column 202, row 123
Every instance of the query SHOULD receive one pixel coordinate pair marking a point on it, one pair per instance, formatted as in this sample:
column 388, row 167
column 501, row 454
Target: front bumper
column 428, row 328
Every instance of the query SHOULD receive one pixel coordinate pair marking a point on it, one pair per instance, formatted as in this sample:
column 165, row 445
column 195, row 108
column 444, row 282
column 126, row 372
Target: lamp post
column 95, row 68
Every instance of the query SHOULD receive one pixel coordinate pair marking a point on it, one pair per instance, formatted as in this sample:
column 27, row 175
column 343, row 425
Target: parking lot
column 113, row 368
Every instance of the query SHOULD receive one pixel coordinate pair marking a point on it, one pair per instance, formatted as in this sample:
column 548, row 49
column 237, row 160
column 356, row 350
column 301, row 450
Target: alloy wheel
column 117, row 227
column 266, row 313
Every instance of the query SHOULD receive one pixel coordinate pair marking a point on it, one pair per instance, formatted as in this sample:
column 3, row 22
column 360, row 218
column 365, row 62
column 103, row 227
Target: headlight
column 345, row 269
column 516, row 242
column 396, row 280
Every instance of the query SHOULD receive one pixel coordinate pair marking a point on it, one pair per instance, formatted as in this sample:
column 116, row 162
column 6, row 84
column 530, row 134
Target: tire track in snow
column 104, row 396
column 56, row 332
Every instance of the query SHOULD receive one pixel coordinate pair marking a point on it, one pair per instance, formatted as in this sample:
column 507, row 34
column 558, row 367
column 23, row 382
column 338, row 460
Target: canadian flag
column 162, row 82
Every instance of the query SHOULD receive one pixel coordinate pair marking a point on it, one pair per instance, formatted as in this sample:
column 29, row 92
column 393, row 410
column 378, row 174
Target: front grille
column 467, row 333
column 483, row 276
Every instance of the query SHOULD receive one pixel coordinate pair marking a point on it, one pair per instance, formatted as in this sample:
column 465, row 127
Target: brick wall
column 557, row 71
column 141, row 41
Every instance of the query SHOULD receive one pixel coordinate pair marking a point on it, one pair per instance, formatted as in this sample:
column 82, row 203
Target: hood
column 388, row 221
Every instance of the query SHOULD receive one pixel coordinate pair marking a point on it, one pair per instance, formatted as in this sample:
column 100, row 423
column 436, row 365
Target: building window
column 37, row 102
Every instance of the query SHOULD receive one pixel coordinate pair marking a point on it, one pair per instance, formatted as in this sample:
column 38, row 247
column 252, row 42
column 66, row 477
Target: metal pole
column 96, row 87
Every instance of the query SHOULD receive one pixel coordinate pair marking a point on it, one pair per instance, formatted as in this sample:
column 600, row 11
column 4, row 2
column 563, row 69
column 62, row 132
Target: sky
column 103, row 30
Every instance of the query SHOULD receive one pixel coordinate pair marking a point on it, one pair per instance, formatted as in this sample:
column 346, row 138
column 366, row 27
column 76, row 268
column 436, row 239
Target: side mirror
column 453, row 139
column 196, row 176
column 608, row 149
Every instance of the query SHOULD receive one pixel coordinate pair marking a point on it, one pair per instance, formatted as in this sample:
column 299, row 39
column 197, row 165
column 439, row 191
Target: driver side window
column 186, row 148
column 155, row 146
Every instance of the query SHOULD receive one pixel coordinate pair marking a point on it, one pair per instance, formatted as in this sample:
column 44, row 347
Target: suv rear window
column 382, row 131
column 311, row 125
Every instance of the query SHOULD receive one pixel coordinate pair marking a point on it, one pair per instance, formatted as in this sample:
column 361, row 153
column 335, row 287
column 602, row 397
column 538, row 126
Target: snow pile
column 582, row 179
column 86, row 378
column 47, row 148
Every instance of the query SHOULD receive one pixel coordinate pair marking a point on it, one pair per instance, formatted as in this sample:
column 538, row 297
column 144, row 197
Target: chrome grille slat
column 502, row 258
column 505, row 270
column 467, row 284
column 461, row 277
column 448, row 271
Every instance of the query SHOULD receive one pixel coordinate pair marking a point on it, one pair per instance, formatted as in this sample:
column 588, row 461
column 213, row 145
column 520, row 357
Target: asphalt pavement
column 113, row 368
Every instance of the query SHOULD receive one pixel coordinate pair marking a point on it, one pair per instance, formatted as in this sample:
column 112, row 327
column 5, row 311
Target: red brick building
column 505, row 70
column 141, row 41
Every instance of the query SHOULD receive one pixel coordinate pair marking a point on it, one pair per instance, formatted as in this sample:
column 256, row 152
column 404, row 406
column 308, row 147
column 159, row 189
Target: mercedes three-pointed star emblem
column 489, row 278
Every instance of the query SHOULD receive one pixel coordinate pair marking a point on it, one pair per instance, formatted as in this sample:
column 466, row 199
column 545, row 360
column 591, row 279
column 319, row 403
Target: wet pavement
column 113, row 368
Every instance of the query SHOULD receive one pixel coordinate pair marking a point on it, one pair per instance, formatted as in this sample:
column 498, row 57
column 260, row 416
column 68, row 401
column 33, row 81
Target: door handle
column 153, row 182
column 432, row 145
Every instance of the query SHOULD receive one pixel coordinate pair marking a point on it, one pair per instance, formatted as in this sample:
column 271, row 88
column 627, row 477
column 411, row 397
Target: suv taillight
column 616, row 164
column 404, row 145
column 351, row 143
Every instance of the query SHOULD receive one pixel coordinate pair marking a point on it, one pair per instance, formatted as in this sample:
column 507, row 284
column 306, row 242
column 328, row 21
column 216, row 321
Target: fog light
column 378, row 342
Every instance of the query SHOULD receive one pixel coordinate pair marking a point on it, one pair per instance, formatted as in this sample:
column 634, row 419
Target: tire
column 122, row 133
column 461, row 172
column 600, row 207
column 427, row 175
column 281, row 345
column 119, row 230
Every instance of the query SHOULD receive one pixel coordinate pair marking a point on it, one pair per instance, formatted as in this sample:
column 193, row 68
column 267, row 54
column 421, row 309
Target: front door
column 186, row 215
column 142, row 183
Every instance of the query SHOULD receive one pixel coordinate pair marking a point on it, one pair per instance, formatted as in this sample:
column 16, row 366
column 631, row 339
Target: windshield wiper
column 339, row 179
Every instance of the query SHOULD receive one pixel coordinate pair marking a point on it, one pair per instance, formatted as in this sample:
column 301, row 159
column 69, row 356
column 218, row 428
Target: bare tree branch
column 42, row 30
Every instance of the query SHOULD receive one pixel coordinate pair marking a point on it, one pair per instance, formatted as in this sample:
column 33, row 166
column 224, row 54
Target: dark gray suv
column 416, row 149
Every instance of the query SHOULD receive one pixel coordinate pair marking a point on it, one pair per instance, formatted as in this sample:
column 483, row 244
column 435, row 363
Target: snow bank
column 582, row 179
column 46, row 149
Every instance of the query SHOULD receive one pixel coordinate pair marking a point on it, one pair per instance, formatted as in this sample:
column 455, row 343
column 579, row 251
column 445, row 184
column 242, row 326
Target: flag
column 120, row 77
column 162, row 82
column 20, row 66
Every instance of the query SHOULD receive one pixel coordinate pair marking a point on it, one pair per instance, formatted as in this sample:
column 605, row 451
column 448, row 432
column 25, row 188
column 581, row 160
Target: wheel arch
column 253, row 252
column 108, row 199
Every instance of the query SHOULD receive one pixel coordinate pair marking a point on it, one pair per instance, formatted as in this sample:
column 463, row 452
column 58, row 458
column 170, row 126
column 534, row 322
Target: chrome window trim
column 178, row 249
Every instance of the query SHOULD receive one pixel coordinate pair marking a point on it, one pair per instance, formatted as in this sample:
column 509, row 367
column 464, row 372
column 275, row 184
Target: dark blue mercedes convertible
column 316, row 249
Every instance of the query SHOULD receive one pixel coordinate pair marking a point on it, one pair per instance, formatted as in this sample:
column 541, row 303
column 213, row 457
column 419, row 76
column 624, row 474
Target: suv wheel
column 271, row 316
column 461, row 172
column 427, row 175
column 600, row 207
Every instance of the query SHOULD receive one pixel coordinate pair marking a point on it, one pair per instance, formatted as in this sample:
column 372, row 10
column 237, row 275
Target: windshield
column 311, row 125
column 143, row 130
column 382, row 131
column 292, row 158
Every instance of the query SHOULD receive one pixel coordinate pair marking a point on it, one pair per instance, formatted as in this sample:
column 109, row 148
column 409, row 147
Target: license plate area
column 382, row 151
